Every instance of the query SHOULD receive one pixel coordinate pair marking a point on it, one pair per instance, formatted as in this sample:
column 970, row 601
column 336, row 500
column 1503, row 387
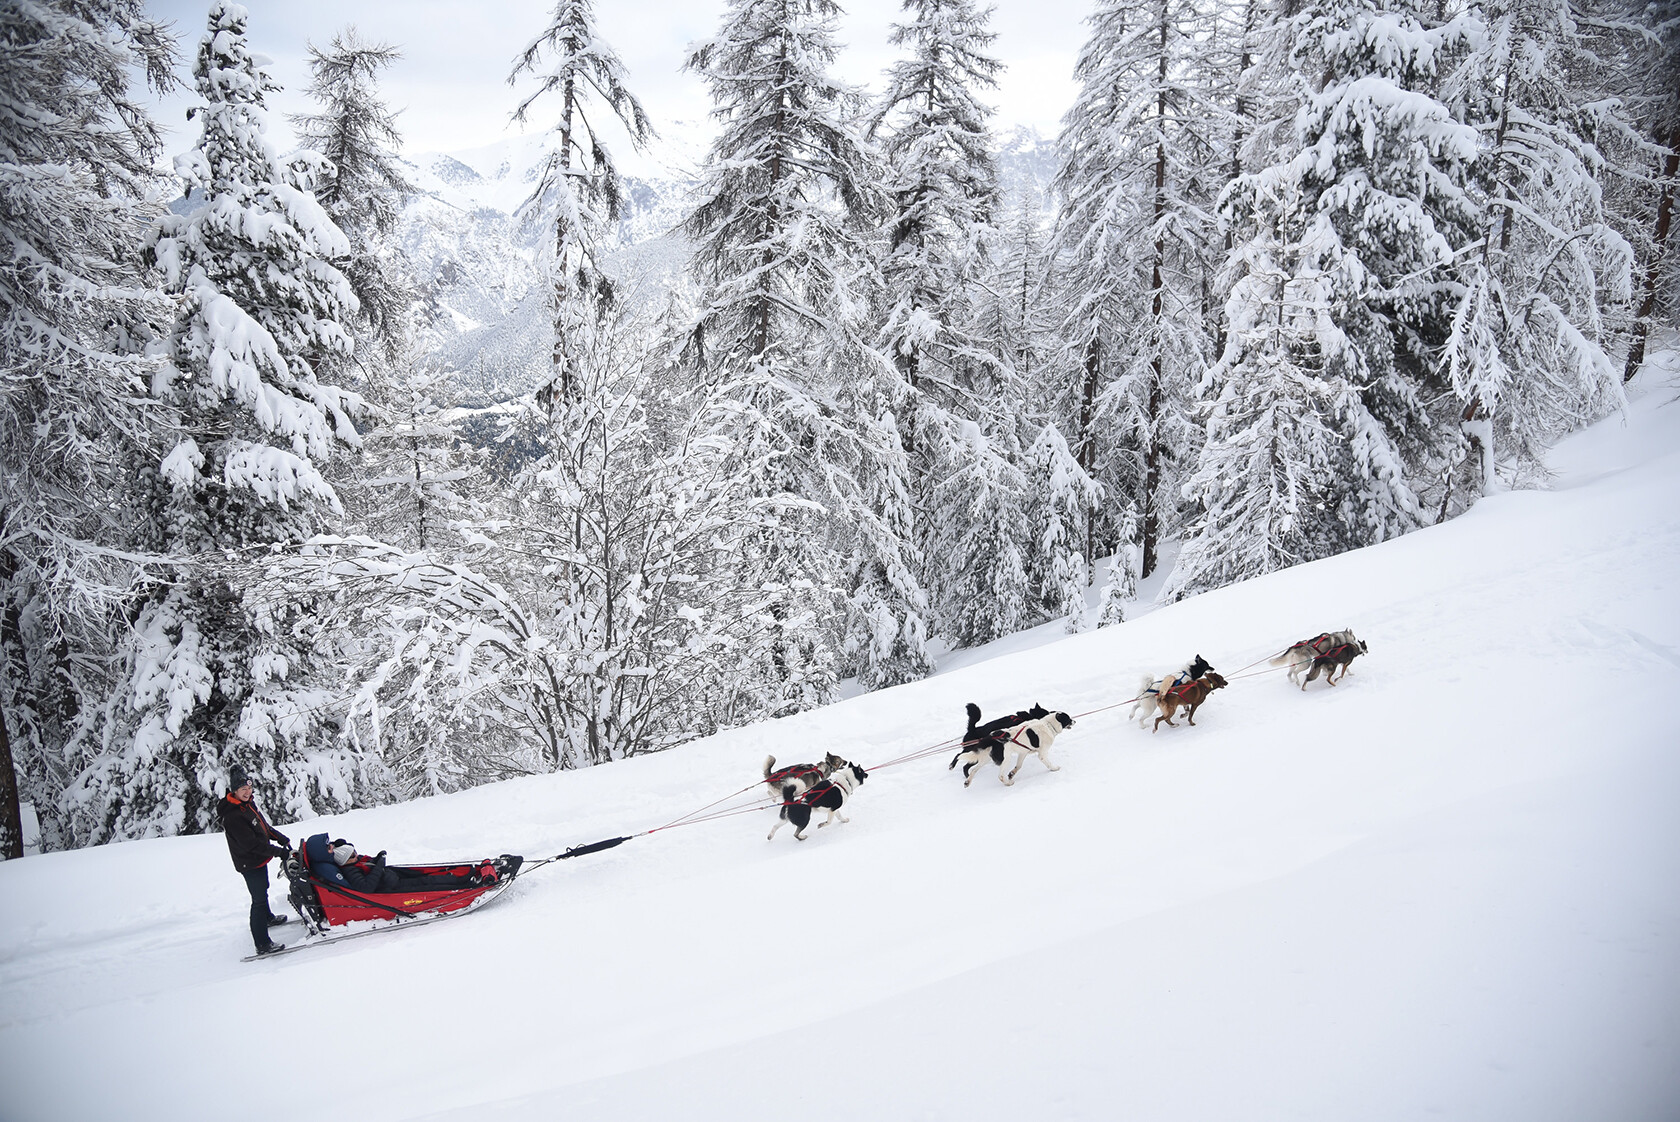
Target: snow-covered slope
column 1444, row 888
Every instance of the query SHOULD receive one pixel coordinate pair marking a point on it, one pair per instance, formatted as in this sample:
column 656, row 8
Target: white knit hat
column 344, row 854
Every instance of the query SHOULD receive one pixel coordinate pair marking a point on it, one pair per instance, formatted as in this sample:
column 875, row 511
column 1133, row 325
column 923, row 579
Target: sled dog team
column 830, row 784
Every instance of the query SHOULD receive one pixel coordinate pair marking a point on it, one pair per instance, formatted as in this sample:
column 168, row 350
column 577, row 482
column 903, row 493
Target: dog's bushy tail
column 973, row 716
column 769, row 765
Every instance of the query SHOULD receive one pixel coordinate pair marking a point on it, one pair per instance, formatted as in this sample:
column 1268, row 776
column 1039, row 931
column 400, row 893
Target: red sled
column 322, row 904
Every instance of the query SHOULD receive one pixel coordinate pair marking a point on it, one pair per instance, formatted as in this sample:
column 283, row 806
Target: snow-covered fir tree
column 1013, row 306
column 364, row 189
column 936, row 144
column 1134, row 241
column 1269, row 482
column 1384, row 165
column 1534, row 343
column 417, row 478
column 976, row 511
column 1061, row 496
column 785, row 203
column 982, row 586
column 217, row 677
column 1120, row 584
column 76, row 312
column 579, row 191
column 1368, row 210
column 1653, row 67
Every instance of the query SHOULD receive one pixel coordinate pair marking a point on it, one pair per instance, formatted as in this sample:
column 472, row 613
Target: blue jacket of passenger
column 321, row 861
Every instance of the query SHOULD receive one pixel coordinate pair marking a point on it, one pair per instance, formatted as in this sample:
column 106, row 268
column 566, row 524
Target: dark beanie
column 237, row 778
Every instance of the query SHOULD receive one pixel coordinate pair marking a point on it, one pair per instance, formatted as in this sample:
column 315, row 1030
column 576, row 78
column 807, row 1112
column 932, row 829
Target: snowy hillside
column 1445, row 888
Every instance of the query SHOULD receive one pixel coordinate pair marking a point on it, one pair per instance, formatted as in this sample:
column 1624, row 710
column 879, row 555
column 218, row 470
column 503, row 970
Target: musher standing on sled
column 251, row 843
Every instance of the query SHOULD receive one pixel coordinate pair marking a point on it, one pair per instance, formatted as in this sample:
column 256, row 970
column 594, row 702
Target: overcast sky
column 452, row 88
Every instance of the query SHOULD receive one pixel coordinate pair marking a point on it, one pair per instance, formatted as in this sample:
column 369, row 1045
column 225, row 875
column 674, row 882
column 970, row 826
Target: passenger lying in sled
column 337, row 862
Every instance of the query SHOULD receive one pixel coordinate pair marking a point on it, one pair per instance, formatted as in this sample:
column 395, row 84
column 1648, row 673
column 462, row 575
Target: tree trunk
column 1087, row 454
column 11, row 812
column 1152, row 439
column 1653, row 268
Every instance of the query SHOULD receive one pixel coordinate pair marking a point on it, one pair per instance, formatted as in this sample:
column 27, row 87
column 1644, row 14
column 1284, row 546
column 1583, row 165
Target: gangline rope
column 715, row 810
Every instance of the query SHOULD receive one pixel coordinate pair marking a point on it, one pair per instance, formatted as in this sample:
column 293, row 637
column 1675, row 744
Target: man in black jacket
column 252, row 842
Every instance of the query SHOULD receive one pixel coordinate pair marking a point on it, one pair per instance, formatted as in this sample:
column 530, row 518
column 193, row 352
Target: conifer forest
column 1307, row 275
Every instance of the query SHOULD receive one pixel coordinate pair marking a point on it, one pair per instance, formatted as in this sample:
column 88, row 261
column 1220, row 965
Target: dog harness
column 809, row 773
column 810, row 796
column 1179, row 681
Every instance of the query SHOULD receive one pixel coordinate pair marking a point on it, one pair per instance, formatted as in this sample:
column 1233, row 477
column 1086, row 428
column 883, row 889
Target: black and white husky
column 830, row 795
column 1150, row 687
column 1030, row 737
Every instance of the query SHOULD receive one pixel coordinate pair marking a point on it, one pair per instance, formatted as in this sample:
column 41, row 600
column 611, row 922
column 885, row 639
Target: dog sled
column 323, row 905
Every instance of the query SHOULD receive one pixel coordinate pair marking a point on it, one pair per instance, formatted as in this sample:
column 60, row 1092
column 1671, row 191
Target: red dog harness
column 810, row 774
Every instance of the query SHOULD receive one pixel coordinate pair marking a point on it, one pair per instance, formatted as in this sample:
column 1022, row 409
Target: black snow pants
column 257, row 881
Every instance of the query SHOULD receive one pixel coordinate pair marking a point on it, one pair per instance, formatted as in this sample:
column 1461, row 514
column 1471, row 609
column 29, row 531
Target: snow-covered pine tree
column 1653, row 64
column 1061, row 497
column 982, row 590
column 411, row 475
column 364, row 190
column 1384, row 166
column 785, row 203
column 887, row 610
column 1532, row 339
column 217, row 677
column 1260, row 98
column 977, row 517
column 76, row 310
column 579, row 191
column 417, row 477
column 1134, row 243
column 1120, row 587
column 1370, row 225
column 1265, row 482
column 1014, row 302
column 935, row 143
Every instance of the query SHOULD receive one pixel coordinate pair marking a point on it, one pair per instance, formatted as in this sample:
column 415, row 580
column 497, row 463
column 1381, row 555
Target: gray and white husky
column 789, row 783
column 1332, row 648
